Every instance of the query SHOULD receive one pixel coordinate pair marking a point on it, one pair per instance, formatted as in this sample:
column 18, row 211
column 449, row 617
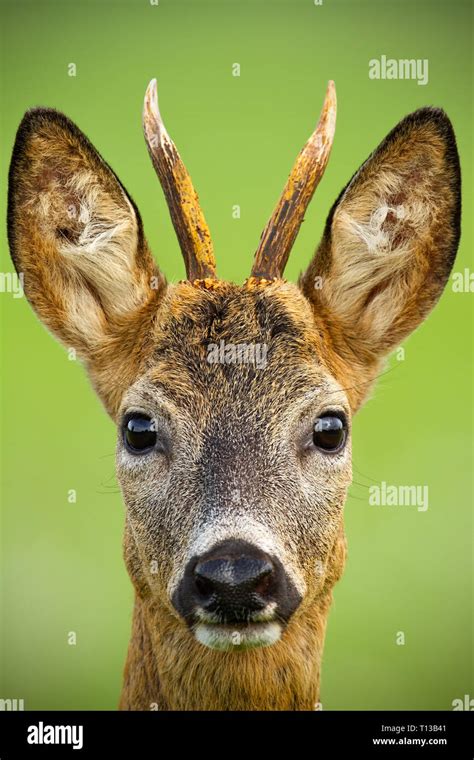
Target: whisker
column 361, row 485
column 356, row 498
column 368, row 477
column 367, row 382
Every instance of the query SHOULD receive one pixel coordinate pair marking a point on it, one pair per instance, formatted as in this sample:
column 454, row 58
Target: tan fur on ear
column 74, row 233
column 390, row 239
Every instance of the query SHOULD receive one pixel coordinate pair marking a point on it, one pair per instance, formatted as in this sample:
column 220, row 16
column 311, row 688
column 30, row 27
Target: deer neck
column 167, row 669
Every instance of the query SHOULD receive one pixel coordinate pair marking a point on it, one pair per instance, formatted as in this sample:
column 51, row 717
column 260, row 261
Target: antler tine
column 279, row 235
column 183, row 202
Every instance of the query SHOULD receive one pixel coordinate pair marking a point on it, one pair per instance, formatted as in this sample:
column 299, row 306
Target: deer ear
column 75, row 235
column 390, row 239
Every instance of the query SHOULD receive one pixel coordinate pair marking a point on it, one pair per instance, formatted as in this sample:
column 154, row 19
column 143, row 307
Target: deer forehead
column 234, row 349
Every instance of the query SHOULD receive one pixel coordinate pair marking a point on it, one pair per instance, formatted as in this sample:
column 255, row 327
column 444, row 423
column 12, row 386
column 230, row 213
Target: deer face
column 234, row 467
column 233, row 404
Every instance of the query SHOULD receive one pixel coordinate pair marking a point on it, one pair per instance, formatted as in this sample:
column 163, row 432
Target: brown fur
column 386, row 254
column 166, row 670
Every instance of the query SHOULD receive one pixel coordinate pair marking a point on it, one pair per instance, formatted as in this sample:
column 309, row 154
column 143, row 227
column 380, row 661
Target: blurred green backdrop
column 61, row 563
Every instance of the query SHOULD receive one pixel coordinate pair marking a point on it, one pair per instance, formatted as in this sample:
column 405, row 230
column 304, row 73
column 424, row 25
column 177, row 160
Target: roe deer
column 234, row 475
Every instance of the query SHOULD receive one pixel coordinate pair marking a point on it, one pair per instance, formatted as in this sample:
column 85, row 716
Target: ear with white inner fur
column 390, row 240
column 74, row 233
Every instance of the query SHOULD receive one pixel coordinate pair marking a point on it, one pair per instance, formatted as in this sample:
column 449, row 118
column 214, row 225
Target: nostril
column 243, row 575
column 235, row 582
column 204, row 586
column 263, row 583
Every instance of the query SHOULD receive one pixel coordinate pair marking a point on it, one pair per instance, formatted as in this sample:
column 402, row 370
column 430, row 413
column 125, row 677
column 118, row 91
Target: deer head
column 234, row 462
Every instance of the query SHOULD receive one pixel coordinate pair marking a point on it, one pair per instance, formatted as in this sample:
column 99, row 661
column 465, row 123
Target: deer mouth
column 238, row 636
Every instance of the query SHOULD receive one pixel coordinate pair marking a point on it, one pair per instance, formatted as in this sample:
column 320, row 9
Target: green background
column 61, row 563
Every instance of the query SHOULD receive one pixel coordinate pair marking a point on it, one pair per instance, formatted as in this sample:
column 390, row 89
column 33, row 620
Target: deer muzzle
column 236, row 596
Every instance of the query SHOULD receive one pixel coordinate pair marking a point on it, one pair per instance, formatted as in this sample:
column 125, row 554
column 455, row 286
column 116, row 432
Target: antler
column 279, row 235
column 183, row 202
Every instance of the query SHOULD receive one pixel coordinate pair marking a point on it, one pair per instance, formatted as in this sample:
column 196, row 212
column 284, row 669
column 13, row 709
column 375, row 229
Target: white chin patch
column 235, row 638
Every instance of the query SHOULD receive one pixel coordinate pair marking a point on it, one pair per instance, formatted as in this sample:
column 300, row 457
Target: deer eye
column 139, row 433
column 330, row 432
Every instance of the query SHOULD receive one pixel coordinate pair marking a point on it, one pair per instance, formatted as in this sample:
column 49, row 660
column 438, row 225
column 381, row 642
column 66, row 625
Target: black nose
column 233, row 581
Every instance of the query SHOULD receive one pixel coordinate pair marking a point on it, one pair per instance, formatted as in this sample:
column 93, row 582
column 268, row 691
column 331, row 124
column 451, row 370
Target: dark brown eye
column 329, row 432
column 139, row 433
